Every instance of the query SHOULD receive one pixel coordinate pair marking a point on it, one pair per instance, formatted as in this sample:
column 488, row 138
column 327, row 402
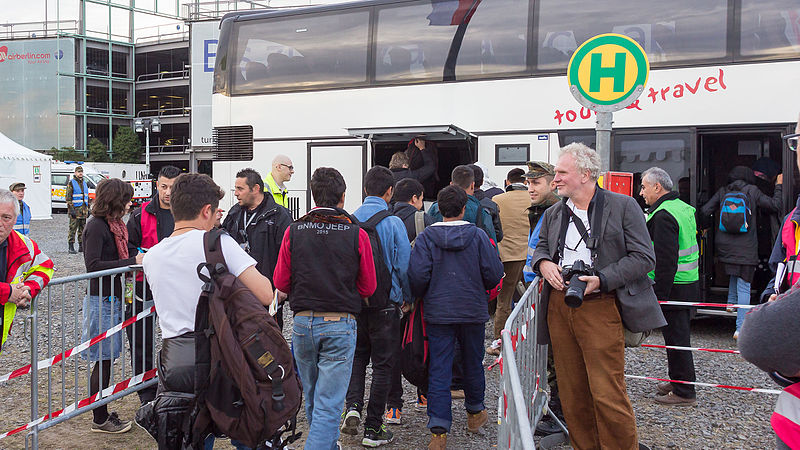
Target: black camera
column 574, row 296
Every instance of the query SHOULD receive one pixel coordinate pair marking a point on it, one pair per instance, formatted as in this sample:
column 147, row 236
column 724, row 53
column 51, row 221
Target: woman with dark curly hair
column 105, row 241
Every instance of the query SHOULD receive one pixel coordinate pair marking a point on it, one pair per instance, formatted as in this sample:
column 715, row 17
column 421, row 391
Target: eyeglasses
column 290, row 167
column 791, row 141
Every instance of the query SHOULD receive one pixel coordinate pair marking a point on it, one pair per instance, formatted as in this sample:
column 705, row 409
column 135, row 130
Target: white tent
column 21, row 164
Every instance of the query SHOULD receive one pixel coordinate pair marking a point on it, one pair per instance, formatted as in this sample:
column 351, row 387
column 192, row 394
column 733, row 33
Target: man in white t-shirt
column 607, row 232
column 171, row 270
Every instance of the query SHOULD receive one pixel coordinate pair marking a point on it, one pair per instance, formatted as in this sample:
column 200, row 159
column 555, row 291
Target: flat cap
column 15, row 186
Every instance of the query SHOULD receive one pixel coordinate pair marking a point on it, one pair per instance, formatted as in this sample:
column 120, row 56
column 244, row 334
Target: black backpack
column 380, row 299
column 414, row 347
column 246, row 386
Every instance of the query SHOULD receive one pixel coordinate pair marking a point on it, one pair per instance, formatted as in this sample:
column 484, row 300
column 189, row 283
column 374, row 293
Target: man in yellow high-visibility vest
column 673, row 230
column 282, row 170
column 24, row 269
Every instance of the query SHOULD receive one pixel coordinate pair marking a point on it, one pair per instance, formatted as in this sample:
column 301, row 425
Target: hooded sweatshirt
column 741, row 248
column 452, row 266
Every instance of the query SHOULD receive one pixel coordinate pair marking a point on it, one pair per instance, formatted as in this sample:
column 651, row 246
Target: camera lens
column 574, row 296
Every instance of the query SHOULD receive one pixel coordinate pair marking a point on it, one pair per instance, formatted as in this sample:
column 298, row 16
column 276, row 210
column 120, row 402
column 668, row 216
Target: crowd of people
column 351, row 280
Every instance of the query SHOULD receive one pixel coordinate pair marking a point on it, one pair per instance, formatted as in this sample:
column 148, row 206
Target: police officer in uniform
column 78, row 208
column 673, row 230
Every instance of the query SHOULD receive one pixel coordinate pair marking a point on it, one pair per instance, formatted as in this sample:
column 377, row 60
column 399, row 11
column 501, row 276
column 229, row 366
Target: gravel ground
column 723, row 418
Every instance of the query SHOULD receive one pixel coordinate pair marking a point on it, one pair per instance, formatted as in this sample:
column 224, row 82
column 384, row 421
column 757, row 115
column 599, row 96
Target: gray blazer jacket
column 624, row 257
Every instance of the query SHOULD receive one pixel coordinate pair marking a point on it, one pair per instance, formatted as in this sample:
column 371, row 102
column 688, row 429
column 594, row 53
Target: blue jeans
column 739, row 293
column 441, row 344
column 323, row 351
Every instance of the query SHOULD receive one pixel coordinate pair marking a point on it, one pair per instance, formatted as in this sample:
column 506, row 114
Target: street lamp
column 146, row 126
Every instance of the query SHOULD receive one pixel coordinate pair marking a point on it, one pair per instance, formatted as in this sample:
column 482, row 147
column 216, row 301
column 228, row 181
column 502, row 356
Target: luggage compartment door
column 349, row 158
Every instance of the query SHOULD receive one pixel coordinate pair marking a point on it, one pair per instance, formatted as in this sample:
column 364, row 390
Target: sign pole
column 603, row 139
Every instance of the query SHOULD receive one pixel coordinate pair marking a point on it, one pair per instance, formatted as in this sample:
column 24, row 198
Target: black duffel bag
column 164, row 417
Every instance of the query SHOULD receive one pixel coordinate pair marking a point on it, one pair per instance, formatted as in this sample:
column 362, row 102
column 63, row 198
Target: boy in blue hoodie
column 452, row 265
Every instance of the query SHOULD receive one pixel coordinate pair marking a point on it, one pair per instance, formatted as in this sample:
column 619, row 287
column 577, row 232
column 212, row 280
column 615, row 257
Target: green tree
column 96, row 151
column 127, row 147
column 66, row 154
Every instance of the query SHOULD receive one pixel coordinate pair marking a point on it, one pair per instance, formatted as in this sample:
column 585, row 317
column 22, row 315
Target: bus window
column 670, row 32
column 770, row 28
column 638, row 152
column 413, row 40
column 496, row 39
column 305, row 51
column 588, row 138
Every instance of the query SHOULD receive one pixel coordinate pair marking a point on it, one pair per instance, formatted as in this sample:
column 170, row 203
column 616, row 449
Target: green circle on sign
column 639, row 68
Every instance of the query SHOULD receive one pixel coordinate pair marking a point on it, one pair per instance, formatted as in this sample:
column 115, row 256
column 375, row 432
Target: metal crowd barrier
column 523, row 400
column 59, row 383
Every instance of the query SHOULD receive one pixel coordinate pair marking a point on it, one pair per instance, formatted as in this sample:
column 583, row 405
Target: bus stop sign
column 608, row 72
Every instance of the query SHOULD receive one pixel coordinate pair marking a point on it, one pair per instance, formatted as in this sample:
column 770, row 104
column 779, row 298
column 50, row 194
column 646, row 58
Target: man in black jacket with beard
column 257, row 223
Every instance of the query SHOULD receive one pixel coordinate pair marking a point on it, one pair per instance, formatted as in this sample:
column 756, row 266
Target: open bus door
column 455, row 146
column 719, row 151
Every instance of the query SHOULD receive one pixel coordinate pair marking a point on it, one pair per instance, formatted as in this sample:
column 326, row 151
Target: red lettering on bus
column 696, row 86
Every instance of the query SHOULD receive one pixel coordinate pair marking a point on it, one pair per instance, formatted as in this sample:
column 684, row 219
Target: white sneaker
column 736, row 335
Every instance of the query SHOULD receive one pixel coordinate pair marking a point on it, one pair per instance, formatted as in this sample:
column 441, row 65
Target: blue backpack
column 734, row 215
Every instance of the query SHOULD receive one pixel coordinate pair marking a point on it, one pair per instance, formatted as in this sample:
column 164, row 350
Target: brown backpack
column 246, row 386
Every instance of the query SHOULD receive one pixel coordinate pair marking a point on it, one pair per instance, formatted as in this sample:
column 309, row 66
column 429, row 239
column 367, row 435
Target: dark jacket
column 406, row 212
column 494, row 211
column 624, row 257
column 428, row 163
column 334, row 267
column 741, row 248
column 471, row 216
column 100, row 253
column 480, row 194
column 423, row 173
column 452, row 266
column 264, row 234
column 165, row 224
column 663, row 229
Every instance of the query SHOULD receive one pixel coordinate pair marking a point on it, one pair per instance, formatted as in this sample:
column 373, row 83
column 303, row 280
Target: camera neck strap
column 595, row 213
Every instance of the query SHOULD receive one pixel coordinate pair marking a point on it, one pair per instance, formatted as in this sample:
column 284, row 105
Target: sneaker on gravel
column 394, row 416
column 376, row 437
column 112, row 425
column 675, row 400
column 664, row 388
column 351, row 422
column 422, row 402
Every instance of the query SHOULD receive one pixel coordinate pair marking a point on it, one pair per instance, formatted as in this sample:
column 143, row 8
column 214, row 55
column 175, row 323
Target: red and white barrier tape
column 121, row 386
column 697, row 383
column 706, row 305
column 45, row 363
column 692, row 349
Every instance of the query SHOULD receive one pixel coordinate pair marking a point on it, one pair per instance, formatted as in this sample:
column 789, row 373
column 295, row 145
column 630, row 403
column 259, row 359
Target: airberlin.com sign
column 29, row 57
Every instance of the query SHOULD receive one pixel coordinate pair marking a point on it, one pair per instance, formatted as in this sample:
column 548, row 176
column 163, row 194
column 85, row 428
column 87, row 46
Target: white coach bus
column 348, row 85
